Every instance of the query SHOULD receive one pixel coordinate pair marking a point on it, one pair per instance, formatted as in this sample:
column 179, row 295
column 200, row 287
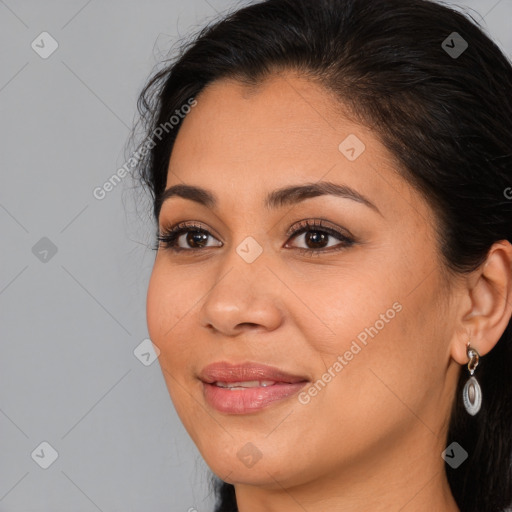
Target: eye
column 191, row 234
column 316, row 234
column 192, row 237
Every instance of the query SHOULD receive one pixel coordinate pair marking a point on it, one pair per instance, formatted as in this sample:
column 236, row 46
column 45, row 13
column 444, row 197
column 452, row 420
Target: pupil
column 317, row 238
column 194, row 237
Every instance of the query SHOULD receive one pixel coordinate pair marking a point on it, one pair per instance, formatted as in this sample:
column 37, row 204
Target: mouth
column 247, row 384
column 246, row 388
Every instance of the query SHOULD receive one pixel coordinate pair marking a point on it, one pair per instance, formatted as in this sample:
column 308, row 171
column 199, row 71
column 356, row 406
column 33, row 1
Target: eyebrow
column 276, row 199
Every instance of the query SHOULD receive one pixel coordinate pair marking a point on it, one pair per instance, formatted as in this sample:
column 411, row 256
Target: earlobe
column 458, row 349
column 490, row 291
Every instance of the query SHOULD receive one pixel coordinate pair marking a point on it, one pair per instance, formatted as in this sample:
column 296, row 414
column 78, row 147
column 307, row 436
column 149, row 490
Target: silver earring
column 472, row 393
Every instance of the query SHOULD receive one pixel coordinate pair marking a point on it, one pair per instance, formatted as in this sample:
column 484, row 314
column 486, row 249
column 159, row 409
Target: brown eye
column 317, row 238
column 184, row 237
column 196, row 238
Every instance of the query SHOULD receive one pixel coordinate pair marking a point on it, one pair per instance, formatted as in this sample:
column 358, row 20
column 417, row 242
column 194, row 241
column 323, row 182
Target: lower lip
column 243, row 401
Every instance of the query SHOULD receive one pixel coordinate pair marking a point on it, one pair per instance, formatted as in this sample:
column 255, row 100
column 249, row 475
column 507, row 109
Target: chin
column 251, row 464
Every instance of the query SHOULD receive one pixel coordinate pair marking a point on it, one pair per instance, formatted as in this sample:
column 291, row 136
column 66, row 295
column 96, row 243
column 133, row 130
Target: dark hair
column 446, row 118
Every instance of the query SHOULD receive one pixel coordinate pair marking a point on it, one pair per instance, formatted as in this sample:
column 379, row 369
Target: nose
column 245, row 296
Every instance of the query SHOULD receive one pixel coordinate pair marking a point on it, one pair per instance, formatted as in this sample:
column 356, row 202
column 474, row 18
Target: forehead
column 271, row 119
column 286, row 124
column 244, row 141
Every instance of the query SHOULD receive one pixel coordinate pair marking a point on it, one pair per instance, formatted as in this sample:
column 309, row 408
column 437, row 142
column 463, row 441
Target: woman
column 332, row 289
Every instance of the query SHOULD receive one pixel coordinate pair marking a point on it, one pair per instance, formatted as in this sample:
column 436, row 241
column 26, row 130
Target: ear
column 488, row 291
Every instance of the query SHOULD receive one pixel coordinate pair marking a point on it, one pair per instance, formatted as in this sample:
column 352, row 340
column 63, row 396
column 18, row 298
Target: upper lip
column 227, row 372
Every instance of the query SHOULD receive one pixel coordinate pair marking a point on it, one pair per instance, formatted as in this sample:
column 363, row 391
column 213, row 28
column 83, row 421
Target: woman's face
column 340, row 291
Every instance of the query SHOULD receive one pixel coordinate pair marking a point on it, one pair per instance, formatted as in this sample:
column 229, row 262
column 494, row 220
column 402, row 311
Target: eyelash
column 168, row 237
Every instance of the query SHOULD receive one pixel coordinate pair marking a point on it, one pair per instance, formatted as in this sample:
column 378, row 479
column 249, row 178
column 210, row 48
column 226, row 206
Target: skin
column 372, row 438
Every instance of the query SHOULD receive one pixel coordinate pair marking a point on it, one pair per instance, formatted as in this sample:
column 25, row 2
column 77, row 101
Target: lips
column 225, row 372
column 245, row 384
column 248, row 387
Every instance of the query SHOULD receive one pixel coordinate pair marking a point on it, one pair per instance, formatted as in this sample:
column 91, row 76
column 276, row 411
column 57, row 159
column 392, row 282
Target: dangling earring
column 472, row 393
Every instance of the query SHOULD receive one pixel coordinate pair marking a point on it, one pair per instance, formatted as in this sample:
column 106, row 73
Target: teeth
column 245, row 384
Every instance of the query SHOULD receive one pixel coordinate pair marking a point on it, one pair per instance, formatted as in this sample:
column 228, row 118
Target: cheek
column 166, row 313
column 351, row 306
column 172, row 303
column 170, row 298
column 158, row 309
column 388, row 334
column 396, row 362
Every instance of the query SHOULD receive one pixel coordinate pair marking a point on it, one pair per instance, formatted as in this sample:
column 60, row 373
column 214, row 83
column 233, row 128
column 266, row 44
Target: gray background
column 70, row 321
